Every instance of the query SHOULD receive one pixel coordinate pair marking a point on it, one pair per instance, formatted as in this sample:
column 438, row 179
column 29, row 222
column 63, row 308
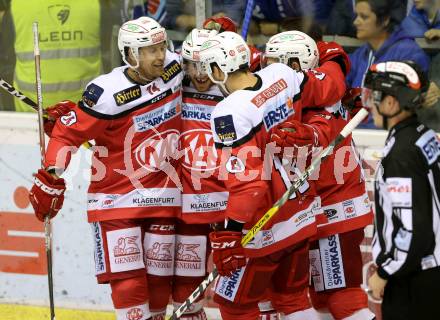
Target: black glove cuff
column 232, row 225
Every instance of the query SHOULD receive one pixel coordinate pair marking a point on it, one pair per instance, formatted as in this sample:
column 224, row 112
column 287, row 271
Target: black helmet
column 403, row 80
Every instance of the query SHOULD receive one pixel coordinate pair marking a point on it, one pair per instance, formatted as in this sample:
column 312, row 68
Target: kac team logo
column 135, row 314
column 154, row 153
column 199, row 152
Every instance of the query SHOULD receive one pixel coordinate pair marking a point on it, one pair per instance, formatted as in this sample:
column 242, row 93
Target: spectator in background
column 423, row 20
column 342, row 15
column 429, row 114
column 268, row 14
column 74, row 45
column 181, row 14
column 133, row 9
column 376, row 24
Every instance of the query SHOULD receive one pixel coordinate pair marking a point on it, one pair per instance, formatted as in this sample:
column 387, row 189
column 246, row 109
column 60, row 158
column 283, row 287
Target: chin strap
column 221, row 84
column 141, row 77
column 386, row 117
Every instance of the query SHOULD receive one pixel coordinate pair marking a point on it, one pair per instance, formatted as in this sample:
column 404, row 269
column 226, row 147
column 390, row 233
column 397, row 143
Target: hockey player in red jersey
column 341, row 188
column 204, row 197
column 242, row 123
column 133, row 114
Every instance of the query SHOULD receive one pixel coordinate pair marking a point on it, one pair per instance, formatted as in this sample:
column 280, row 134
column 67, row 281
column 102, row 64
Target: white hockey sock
column 309, row 314
column 140, row 312
column 363, row 314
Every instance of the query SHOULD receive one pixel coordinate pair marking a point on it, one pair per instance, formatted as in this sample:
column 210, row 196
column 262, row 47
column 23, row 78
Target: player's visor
column 371, row 98
column 193, row 68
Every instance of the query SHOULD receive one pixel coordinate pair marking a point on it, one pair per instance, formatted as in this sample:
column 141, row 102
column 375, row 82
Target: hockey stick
column 11, row 90
column 247, row 18
column 47, row 226
column 349, row 127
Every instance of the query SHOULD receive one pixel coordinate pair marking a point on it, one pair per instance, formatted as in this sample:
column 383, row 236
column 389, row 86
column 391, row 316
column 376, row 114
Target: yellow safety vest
column 69, row 36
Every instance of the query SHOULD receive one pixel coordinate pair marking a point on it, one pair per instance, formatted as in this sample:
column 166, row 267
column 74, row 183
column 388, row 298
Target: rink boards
column 23, row 275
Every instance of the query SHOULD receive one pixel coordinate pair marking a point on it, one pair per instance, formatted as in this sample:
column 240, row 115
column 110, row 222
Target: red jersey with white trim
column 242, row 124
column 204, row 196
column 340, row 180
column 136, row 129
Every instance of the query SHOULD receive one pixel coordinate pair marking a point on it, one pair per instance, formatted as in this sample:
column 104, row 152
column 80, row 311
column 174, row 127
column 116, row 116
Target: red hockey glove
column 293, row 134
column 333, row 51
column 255, row 61
column 220, row 24
column 227, row 252
column 56, row 111
column 352, row 101
column 47, row 194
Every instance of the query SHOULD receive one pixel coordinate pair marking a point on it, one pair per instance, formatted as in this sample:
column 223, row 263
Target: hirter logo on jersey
column 127, row 95
column 154, row 153
column 268, row 93
column 199, row 150
column 224, row 128
column 170, row 71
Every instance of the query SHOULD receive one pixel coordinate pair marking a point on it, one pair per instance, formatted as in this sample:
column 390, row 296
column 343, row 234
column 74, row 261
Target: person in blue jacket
column 423, row 20
column 385, row 41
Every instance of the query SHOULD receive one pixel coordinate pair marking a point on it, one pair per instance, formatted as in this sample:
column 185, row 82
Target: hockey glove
column 227, row 252
column 47, row 194
column 220, row 24
column 54, row 112
column 293, row 134
column 331, row 51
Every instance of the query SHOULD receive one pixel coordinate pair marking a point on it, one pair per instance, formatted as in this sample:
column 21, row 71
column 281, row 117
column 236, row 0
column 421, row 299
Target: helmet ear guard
column 404, row 80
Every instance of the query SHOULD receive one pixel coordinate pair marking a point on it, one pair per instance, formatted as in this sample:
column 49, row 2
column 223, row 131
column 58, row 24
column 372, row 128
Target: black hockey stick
column 349, row 127
column 11, row 90
column 47, row 226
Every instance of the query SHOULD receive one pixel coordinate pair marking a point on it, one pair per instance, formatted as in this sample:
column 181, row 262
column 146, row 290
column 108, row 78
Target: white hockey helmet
column 293, row 44
column 228, row 50
column 135, row 34
column 193, row 42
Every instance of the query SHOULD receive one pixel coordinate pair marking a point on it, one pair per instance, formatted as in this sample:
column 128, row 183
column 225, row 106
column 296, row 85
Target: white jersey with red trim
column 254, row 177
column 204, row 196
column 340, row 181
column 136, row 129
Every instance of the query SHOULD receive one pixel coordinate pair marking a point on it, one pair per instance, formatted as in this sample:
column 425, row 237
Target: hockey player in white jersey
column 242, row 124
column 344, row 231
column 133, row 114
column 204, row 197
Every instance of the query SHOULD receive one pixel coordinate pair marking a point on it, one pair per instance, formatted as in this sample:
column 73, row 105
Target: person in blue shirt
column 423, row 20
column 376, row 24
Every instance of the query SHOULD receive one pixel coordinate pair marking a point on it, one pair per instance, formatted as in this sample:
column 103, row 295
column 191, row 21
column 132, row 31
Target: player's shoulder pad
column 429, row 145
column 234, row 121
column 173, row 67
